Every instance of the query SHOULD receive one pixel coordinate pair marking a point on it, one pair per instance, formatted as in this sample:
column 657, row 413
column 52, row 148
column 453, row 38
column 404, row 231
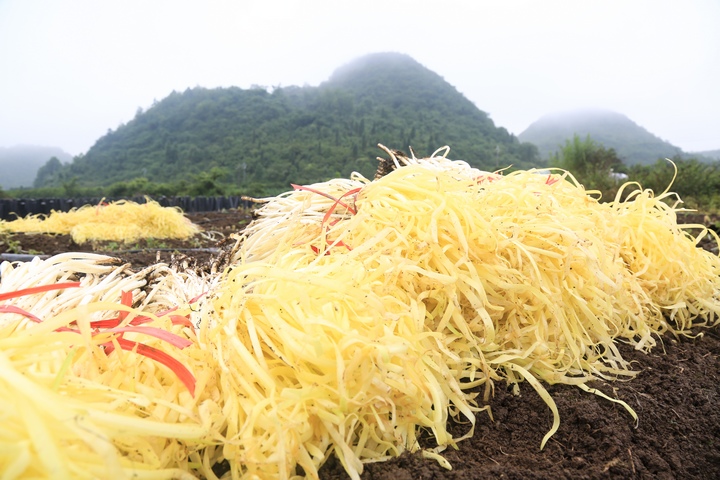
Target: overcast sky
column 72, row 69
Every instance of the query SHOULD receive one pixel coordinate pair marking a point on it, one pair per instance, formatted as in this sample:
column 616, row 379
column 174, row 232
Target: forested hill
column 263, row 137
column 633, row 143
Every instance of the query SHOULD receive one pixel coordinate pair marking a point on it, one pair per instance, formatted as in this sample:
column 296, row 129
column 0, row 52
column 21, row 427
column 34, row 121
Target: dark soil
column 202, row 250
column 676, row 396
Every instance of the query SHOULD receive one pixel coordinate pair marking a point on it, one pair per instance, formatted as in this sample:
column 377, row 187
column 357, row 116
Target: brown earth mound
column 676, row 396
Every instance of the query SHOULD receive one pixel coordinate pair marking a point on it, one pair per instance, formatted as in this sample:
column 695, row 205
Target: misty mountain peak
column 633, row 143
column 395, row 62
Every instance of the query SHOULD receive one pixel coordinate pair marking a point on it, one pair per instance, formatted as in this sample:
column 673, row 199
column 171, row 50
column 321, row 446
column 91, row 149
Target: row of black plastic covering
column 12, row 208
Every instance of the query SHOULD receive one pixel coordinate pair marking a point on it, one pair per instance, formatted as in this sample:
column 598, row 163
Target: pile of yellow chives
column 355, row 314
column 123, row 220
column 69, row 409
column 359, row 327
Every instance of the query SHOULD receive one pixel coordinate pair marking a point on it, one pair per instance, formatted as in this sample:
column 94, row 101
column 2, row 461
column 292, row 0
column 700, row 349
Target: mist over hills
column 633, row 143
column 19, row 164
column 271, row 137
column 710, row 154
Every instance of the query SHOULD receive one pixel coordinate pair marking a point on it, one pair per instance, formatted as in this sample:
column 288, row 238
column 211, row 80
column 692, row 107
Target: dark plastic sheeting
column 11, row 208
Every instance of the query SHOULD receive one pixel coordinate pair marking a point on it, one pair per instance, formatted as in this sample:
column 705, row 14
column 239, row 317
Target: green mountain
column 20, row 164
column 299, row 134
column 633, row 144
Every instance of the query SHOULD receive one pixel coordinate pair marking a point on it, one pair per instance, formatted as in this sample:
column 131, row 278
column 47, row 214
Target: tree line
column 696, row 182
